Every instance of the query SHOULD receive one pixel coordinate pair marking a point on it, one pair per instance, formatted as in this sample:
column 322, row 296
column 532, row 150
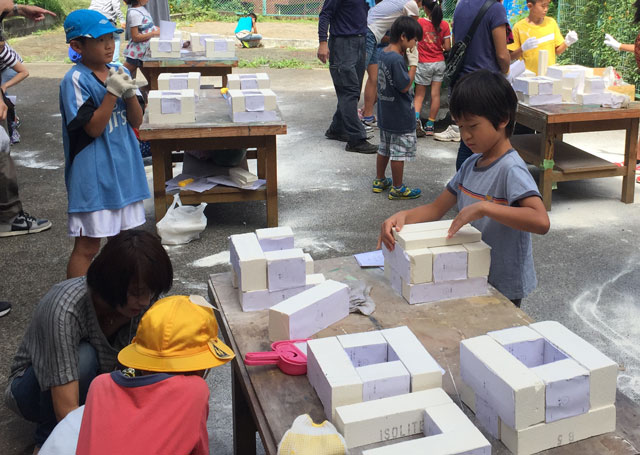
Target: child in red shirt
column 436, row 38
column 159, row 404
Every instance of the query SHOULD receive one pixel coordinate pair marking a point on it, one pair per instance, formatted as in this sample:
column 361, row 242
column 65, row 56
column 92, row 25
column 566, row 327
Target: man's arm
column 328, row 8
column 65, row 399
column 30, row 12
column 503, row 59
column 23, row 73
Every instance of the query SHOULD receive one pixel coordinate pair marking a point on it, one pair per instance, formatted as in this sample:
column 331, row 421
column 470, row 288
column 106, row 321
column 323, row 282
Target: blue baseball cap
column 89, row 23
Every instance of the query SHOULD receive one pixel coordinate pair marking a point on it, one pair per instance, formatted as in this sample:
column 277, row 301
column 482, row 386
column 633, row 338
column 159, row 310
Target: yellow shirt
column 548, row 31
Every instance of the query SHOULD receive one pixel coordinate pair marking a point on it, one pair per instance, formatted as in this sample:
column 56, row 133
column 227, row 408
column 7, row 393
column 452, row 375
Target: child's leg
column 435, row 100
column 381, row 166
column 397, row 171
column 421, row 91
column 370, row 90
column 84, row 250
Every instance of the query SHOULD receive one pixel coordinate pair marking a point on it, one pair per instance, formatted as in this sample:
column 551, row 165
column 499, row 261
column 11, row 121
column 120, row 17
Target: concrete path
column 587, row 264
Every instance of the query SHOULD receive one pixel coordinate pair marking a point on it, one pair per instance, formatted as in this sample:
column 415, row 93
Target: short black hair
column 79, row 39
column 407, row 26
column 129, row 257
column 485, row 94
column 254, row 16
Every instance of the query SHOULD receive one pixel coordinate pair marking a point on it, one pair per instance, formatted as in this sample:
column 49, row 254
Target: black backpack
column 455, row 58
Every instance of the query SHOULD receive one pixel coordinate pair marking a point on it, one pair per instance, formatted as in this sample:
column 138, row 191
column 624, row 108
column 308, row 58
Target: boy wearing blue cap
column 104, row 173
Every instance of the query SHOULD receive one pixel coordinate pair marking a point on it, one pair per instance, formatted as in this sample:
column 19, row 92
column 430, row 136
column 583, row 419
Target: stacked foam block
column 248, row 81
column 179, row 81
column 165, row 48
column 198, row 41
column 539, row 386
column 172, row 106
column 252, row 105
column 267, row 269
column 426, row 266
column 220, row 48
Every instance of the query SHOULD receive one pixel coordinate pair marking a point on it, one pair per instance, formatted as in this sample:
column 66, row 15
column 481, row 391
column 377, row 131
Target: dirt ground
column 51, row 46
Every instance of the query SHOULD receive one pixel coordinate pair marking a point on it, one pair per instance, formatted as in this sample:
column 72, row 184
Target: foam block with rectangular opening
column 249, row 262
column 425, row 372
column 220, row 48
column 382, row 380
column 179, row 81
column 337, row 383
column 365, row 348
column 388, row 418
column 171, row 106
column 305, row 314
column 170, row 48
column 603, row 372
column 449, row 263
column 516, row 393
column 478, row 259
column 276, row 238
column 285, row 269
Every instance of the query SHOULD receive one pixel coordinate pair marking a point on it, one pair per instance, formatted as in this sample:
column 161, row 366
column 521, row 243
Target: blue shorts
column 372, row 49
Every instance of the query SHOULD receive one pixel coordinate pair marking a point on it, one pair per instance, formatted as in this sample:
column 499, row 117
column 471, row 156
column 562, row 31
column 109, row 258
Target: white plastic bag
column 182, row 223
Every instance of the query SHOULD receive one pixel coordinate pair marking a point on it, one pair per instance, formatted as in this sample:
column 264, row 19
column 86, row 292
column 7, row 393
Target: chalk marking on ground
column 213, row 260
column 29, row 159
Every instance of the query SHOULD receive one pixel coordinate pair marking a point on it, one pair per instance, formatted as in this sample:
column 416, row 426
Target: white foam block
column 234, row 278
column 548, row 435
column 263, row 299
column 165, row 48
column 243, row 177
column 308, row 264
column 594, row 85
column 478, row 259
column 414, row 266
column 558, row 71
column 171, row 106
column 251, row 265
column 538, row 100
column 382, row 380
column 337, row 383
column 523, row 343
column 449, row 263
column 594, row 98
column 220, row 48
column 315, row 279
column 446, row 290
column 198, row 41
column 276, row 238
column 248, row 81
column 239, row 101
column 305, row 314
column 404, row 346
column 603, row 372
column 365, row 348
column 551, row 85
column 566, row 389
column 426, row 226
column 179, row 81
column 388, row 418
column 543, row 62
column 516, row 394
column 526, row 85
column 395, row 280
column 437, row 237
column 487, row 416
column 285, row 269
column 467, row 395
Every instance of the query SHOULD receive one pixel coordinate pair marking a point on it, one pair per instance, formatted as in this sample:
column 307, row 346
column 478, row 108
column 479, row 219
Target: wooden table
column 561, row 162
column 214, row 130
column 191, row 61
column 267, row 401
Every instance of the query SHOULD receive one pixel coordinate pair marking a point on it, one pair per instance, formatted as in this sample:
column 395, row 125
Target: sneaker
column 15, row 137
column 379, row 185
column 404, row 192
column 448, row 135
column 370, row 121
column 24, row 224
column 362, row 146
column 428, row 130
column 335, row 136
column 5, row 307
column 419, row 131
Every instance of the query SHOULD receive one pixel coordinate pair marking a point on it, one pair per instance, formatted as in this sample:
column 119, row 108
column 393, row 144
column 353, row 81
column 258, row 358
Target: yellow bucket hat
column 177, row 334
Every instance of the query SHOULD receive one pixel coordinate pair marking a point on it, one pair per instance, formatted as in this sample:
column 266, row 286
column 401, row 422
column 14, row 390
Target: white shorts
column 106, row 223
column 429, row 72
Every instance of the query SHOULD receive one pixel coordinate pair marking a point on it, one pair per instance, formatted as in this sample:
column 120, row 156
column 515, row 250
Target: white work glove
column 118, row 82
column 530, row 43
column 509, row 77
column 132, row 91
column 412, row 56
column 571, row 38
column 611, row 42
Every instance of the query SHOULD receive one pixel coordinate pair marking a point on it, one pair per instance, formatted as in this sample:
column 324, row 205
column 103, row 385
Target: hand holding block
column 277, row 238
column 248, row 81
column 307, row 313
column 285, row 269
column 248, row 261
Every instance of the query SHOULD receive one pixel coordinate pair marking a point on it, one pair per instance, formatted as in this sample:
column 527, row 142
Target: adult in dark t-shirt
column 488, row 48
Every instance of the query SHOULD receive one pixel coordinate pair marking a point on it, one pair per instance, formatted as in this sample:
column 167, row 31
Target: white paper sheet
column 226, row 180
column 248, row 84
column 178, row 81
column 546, row 38
column 220, row 45
column 164, row 46
column 170, row 105
column 253, row 101
column 167, row 30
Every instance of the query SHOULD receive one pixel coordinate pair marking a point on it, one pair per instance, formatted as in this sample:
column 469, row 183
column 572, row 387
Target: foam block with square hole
column 276, row 238
column 437, row 237
column 219, row 48
column 305, row 314
column 171, row 106
column 433, row 292
column 478, row 259
column 548, row 435
column 248, row 261
column 566, row 389
column 449, row 263
column 248, row 81
column 425, row 372
column 308, row 264
column 374, row 421
column 337, row 383
column 382, row 380
column 179, row 81
column 523, row 343
column 285, row 269
column 365, row 348
column 603, row 372
column 495, row 375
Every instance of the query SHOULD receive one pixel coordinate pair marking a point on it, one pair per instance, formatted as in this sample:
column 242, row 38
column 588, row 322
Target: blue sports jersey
column 104, row 172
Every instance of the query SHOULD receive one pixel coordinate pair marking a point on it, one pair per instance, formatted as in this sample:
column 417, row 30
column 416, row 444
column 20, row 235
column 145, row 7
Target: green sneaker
column 404, row 192
column 379, row 185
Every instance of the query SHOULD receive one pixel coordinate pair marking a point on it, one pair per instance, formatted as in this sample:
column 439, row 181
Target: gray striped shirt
column 110, row 8
column 64, row 317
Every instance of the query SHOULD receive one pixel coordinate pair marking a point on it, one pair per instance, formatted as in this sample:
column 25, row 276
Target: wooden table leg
column 224, row 77
column 546, row 173
column 271, row 162
column 630, row 143
column 159, row 168
column 244, row 428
